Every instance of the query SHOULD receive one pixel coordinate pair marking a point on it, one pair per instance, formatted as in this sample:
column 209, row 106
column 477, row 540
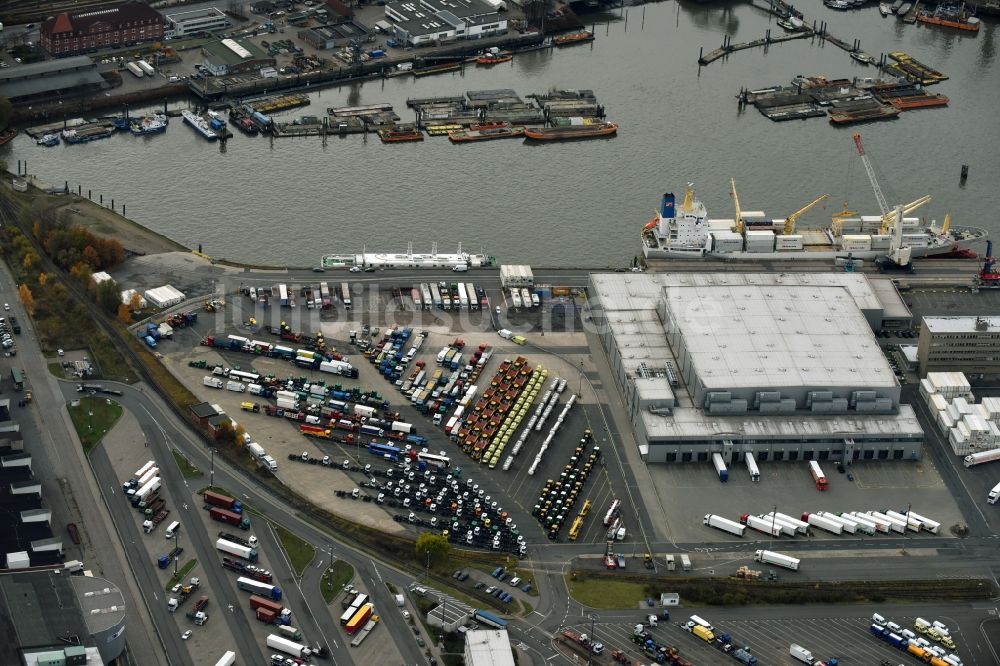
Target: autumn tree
column 108, row 296
column 27, row 298
column 83, row 273
column 135, row 301
column 433, row 549
column 238, row 436
column 91, row 258
column 124, row 314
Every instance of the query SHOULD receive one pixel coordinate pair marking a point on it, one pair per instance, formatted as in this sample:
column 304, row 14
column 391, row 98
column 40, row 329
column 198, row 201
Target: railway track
column 16, row 12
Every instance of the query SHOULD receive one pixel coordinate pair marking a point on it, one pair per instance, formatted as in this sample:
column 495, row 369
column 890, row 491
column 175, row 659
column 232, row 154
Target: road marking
column 112, row 489
column 534, row 612
column 377, row 572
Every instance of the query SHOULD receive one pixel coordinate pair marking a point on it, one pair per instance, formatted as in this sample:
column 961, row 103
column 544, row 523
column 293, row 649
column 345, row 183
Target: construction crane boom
column 736, row 202
column 889, row 219
column 793, row 218
column 883, row 206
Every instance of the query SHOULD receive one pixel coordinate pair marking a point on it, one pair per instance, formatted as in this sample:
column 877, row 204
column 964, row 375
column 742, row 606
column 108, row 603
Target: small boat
column 463, row 136
column 787, row 25
column 121, row 122
column 837, row 4
column 863, row 58
column 884, row 8
column 573, row 38
column 400, row 134
column 570, row 132
column 7, row 136
column 155, row 124
column 904, row 9
column 494, row 57
column 480, row 127
column 896, row 5
column 48, row 140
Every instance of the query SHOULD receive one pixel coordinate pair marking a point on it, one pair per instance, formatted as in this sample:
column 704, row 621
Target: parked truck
column 197, row 612
column 761, row 524
column 994, row 495
column 145, row 491
column 152, row 523
column 847, row 524
column 230, row 517
column 704, row 633
column 724, row 524
column 360, row 618
column 819, row 521
column 257, row 587
column 212, row 382
column 752, row 468
column 135, row 69
column 236, row 549
column 777, row 559
column 786, row 529
column 720, row 467
column 287, row 646
column 146, row 68
column 982, row 457
column 802, row 654
column 819, row 478
column 223, row 501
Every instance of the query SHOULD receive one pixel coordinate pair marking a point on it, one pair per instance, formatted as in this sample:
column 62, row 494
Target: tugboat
column 494, row 56
column 48, row 140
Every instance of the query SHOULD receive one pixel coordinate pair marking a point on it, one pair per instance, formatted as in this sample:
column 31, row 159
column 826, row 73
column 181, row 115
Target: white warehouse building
column 424, row 22
column 488, row 647
column 181, row 24
column 164, row 297
column 782, row 365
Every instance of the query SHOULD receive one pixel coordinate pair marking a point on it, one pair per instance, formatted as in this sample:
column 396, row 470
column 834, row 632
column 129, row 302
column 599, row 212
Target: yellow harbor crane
column 889, row 219
column 794, row 217
column 736, row 202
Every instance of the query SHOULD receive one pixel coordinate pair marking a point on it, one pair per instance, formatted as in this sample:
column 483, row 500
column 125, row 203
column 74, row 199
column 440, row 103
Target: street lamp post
column 177, row 547
column 211, row 474
column 593, row 640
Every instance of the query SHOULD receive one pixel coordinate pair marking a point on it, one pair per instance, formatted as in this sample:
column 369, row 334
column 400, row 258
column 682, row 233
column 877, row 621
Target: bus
column 248, row 377
column 345, row 295
column 18, row 378
column 387, row 451
column 434, row 459
column 489, row 619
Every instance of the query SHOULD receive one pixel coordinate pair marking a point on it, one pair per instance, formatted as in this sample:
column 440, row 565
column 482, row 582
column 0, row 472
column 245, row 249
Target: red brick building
column 121, row 25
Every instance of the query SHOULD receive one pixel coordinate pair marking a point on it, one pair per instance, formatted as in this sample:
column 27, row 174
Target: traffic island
column 93, row 418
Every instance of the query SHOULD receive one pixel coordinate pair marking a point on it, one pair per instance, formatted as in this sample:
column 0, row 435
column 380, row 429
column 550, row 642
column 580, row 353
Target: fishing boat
column 465, row 136
column 154, row 124
column 791, row 23
column 685, row 231
column 48, row 140
column 7, row 136
column 884, row 8
column 863, row 58
column 570, row 132
column 573, row 38
column 200, row 125
column 950, row 16
column 400, row 134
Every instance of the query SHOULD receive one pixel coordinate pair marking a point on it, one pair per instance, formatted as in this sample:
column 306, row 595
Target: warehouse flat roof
column 630, row 291
column 777, row 335
column 962, row 324
column 488, row 647
column 221, row 53
column 38, row 608
column 687, row 423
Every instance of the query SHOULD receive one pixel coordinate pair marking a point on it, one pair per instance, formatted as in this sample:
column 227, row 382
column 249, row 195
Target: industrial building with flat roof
column 233, row 56
column 334, row 35
column 206, row 19
column 960, row 344
column 51, row 79
column 422, row 22
column 784, row 365
column 488, row 647
column 52, row 617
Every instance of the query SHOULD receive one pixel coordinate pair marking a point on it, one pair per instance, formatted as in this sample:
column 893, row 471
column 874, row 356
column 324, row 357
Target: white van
column 461, row 268
column 172, row 529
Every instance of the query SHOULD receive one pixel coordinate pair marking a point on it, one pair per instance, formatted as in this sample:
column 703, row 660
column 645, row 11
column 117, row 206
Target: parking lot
column 687, row 493
column 826, row 632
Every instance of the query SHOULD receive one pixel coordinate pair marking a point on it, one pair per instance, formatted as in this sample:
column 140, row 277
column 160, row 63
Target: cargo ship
column 570, row 132
column 950, row 16
column 200, row 125
column 410, row 259
column 689, row 234
column 464, row 136
column 573, row 38
column 400, row 134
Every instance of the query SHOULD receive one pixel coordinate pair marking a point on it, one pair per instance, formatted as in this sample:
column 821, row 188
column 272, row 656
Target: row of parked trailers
column 459, row 296
column 819, row 478
column 779, row 524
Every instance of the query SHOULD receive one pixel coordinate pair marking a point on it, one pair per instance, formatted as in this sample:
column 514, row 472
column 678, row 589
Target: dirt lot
column 105, row 222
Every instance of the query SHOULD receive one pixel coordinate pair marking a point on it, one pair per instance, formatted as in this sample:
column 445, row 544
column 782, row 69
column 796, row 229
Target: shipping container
column 819, row 521
column 766, row 526
column 724, row 524
column 777, row 559
column 752, row 467
column 817, row 474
